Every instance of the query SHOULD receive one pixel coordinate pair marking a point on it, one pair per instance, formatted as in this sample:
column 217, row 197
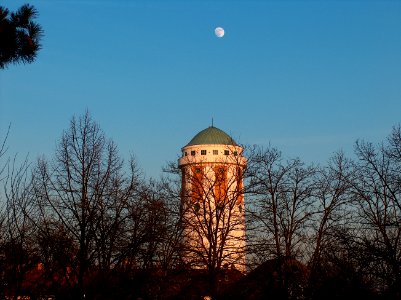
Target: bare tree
column 19, row 247
column 3, row 151
column 377, row 196
column 3, row 166
column 144, row 228
column 82, row 189
column 169, row 189
column 282, row 196
column 112, row 215
column 332, row 214
column 283, row 202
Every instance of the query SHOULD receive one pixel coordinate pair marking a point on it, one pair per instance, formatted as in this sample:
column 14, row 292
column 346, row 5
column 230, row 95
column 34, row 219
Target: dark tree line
column 82, row 218
column 86, row 224
column 340, row 221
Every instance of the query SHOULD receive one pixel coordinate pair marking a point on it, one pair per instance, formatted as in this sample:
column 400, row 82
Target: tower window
column 193, row 152
column 235, row 153
column 226, row 152
column 215, row 152
column 186, row 153
column 203, row 152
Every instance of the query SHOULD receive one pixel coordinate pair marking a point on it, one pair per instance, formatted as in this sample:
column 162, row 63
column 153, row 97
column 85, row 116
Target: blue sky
column 309, row 77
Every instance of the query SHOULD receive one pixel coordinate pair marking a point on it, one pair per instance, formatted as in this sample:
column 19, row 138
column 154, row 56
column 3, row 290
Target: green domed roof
column 212, row 135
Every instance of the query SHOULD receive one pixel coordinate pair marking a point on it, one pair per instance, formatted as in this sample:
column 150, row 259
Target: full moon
column 219, row 32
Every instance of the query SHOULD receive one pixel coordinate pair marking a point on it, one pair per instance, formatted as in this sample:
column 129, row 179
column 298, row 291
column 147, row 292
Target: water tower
column 213, row 219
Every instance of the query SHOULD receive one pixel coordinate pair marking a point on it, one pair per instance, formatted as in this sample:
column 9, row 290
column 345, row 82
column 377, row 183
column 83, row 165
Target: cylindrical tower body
column 212, row 201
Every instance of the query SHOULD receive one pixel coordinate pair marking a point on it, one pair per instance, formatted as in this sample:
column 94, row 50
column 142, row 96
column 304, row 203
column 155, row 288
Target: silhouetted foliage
column 19, row 35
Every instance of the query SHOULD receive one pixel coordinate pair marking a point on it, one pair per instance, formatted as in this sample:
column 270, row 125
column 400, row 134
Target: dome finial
column 212, row 122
